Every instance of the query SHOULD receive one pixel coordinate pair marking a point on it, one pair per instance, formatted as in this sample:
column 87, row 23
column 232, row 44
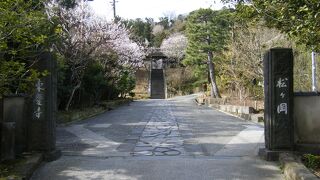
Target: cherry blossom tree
column 175, row 46
column 120, row 55
column 86, row 38
column 78, row 40
column 130, row 53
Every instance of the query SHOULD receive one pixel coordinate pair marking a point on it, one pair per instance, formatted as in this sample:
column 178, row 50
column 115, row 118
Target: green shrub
column 311, row 161
column 94, row 82
column 126, row 83
column 16, row 78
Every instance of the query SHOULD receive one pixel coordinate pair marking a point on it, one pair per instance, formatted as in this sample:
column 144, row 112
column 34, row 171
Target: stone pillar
column 13, row 124
column 278, row 89
column 42, row 126
column 7, row 134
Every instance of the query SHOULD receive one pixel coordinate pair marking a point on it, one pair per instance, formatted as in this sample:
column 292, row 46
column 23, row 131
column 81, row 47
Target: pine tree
column 208, row 34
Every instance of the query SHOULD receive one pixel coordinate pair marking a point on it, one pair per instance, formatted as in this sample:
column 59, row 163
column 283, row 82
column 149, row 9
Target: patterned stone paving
column 161, row 135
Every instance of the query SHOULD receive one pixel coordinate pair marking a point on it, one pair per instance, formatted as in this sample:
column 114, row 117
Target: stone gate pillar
column 278, row 90
column 43, row 110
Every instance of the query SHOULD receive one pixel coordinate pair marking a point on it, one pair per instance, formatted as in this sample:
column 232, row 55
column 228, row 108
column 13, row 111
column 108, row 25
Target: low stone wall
column 237, row 109
column 80, row 114
column 142, row 83
column 215, row 102
column 245, row 112
column 307, row 120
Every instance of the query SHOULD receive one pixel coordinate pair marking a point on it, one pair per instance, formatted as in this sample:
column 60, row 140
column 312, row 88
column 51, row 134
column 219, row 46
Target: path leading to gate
column 160, row 139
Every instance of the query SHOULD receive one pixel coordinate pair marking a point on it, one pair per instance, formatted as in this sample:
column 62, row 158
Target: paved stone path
column 160, row 140
column 101, row 144
column 246, row 143
column 161, row 135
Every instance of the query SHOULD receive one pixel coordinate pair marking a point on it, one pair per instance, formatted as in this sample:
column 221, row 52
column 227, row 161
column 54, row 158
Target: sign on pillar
column 278, row 77
column 44, row 108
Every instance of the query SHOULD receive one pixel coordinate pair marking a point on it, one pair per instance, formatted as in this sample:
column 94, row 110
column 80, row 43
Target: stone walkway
column 98, row 145
column 160, row 136
column 160, row 140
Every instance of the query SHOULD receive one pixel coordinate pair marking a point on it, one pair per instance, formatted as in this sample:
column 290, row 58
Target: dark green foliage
column 25, row 30
column 64, row 87
column 94, row 82
column 126, row 83
column 15, row 78
column 208, row 33
column 165, row 22
column 25, row 33
column 311, row 161
column 141, row 30
column 300, row 19
column 96, row 85
column 202, row 24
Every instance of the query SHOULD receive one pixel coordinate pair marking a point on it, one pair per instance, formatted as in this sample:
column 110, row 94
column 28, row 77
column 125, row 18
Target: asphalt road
column 160, row 139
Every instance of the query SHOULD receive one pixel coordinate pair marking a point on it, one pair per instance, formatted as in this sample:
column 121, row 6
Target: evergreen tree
column 208, row 34
column 140, row 29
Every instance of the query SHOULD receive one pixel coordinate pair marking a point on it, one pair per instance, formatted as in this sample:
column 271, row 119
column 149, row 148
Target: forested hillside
column 218, row 50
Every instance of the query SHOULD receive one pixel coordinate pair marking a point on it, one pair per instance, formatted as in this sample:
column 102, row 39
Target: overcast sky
column 131, row 9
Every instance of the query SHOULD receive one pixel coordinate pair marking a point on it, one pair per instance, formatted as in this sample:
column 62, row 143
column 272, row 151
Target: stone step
column 157, row 84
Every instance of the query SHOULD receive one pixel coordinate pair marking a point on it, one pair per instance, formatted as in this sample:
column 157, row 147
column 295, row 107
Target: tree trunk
column 214, row 88
column 111, row 90
column 240, row 94
column 71, row 96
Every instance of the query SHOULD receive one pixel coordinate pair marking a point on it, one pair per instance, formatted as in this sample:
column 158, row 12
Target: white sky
column 132, row 9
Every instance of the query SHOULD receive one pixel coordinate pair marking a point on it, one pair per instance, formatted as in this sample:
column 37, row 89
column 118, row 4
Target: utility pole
column 114, row 8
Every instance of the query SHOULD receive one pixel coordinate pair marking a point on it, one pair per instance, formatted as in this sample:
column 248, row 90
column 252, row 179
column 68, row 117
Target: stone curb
column 33, row 162
column 254, row 118
column 293, row 169
column 243, row 112
column 24, row 170
column 103, row 110
column 199, row 103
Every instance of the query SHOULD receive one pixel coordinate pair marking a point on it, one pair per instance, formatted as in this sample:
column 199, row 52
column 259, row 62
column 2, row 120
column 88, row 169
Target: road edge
column 293, row 169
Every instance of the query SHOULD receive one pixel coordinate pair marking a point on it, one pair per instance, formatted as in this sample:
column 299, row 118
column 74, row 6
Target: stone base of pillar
column 52, row 155
column 308, row 148
column 271, row 155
